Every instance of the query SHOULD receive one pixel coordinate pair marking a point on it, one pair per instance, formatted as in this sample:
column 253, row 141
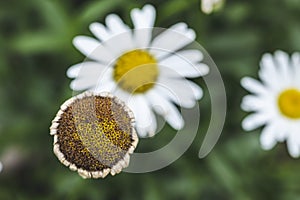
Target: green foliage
column 36, row 49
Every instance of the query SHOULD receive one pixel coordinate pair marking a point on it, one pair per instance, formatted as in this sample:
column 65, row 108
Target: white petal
column 80, row 84
column 121, row 36
column 166, row 74
column 143, row 21
column 108, row 86
column 293, row 147
column 93, row 49
column 144, row 117
column 1, row 166
column 198, row 92
column 254, row 121
column 90, row 75
column 252, row 103
column 253, row 85
column 115, row 24
column 74, row 70
column 184, row 67
column 119, row 44
column 191, row 55
column 181, row 100
column 281, row 134
column 267, row 138
column 283, row 64
column 177, row 90
column 296, row 68
column 143, row 18
column 172, row 39
column 100, row 31
column 166, row 109
column 268, row 72
column 85, row 69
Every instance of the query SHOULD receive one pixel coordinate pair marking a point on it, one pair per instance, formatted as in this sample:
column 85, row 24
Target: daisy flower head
column 275, row 101
column 94, row 134
column 147, row 72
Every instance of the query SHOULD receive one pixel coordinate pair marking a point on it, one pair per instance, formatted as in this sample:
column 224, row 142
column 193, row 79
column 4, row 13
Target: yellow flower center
column 136, row 71
column 289, row 103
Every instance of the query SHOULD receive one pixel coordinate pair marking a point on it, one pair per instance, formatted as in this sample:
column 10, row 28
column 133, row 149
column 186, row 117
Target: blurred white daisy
column 145, row 72
column 275, row 101
column 208, row 6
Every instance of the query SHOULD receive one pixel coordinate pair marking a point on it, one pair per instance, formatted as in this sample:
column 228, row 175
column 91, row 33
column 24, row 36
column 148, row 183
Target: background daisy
column 275, row 101
column 147, row 73
column 208, row 6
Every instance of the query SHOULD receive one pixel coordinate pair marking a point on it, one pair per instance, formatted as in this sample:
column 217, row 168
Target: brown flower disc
column 94, row 134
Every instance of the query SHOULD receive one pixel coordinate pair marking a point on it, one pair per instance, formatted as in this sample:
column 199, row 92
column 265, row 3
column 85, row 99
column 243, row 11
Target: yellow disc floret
column 136, row 71
column 289, row 103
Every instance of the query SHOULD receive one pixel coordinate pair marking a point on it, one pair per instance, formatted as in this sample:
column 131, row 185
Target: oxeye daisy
column 94, row 134
column 208, row 6
column 148, row 73
column 275, row 102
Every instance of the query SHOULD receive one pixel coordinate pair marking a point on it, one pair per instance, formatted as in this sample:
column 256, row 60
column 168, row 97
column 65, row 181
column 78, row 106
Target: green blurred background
column 36, row 49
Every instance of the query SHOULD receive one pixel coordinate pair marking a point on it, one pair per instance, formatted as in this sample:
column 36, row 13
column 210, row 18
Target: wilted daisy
column 275, row 101
column 94, row 134
column 145, row 72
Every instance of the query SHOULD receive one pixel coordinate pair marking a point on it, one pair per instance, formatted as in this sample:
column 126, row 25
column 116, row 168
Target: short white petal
column 143, row 21
column 184, row 67
column 74, row 70
column 191, row 55
column 143, row 18
column 143, row 115
column 100, row 31
column 281, row 133
column 254, row 121
column 293, row 147
column 108, row 86
column 177, row 90
column 253, row 103
column 296, row 68
column 198, row 92
column 166, row 74
column 268, row 72
column 283, row 64
column 267, row 138
column 182, row 100
column 252, row 85
column 91, row 78
column 172, row 39
column 166, row 109
column 85, row 69
column 80, row 84
column 93, row 49
column 115, row 24
column 119, row 44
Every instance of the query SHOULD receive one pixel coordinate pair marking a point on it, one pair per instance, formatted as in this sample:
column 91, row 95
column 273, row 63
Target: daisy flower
column 275, row 102
column 94, row 134
column 208, row 6
column 148, row 73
